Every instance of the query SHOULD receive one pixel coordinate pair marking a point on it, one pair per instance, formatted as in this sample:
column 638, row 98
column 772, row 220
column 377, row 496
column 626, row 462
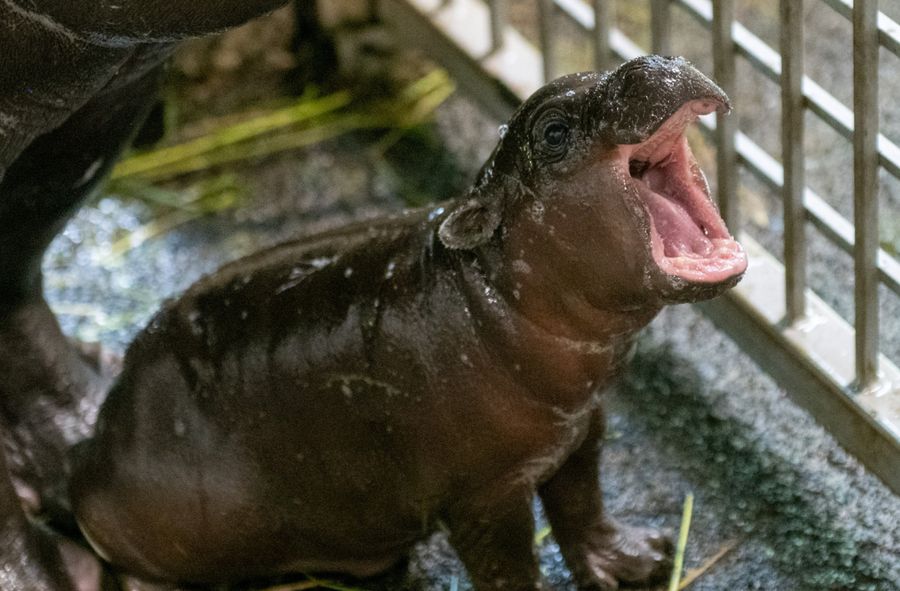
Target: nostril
column 705, row 106
column 637, row 168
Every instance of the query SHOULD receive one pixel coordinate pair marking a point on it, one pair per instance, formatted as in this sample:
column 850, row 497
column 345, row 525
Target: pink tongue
column 680, row 234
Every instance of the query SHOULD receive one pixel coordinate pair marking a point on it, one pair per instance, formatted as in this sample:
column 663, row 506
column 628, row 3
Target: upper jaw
column 689, row 241
column 644, row 93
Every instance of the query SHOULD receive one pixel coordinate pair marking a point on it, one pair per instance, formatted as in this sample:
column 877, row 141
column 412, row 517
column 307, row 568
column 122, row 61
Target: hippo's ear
column 469, row 225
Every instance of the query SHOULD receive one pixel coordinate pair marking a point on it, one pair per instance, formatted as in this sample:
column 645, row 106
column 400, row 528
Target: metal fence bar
column 831, row 223
column 819, row 101
column 497, row 10
column 726, row 127
column 888, row 29
column 546, row 10
column 603, row 53
column 866, row 424
column 865, row 188
column 661, row 27
column 792, row 127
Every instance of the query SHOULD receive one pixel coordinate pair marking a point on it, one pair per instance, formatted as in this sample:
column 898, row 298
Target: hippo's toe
column 616, row 553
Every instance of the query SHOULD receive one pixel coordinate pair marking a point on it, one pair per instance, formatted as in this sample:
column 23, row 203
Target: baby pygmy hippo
column 324, row 404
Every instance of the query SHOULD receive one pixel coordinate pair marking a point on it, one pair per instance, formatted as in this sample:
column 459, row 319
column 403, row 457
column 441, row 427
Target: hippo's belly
column 282, row 479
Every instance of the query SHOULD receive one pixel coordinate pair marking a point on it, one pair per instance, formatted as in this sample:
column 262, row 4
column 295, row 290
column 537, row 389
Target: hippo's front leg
column 600, row 552
column 494, row 537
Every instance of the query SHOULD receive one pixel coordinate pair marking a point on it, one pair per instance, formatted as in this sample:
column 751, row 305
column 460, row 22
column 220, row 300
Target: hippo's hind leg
column 600, row 552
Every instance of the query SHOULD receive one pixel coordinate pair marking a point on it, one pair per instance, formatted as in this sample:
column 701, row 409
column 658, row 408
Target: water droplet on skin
column 520, row 266
column 180, row 428
column 347, row 391
column 244, row 314
column 570, row 93
column 434, row 213
column 194, row 319
column 348, row 272
column 502, row 130
column 389, row 272
column 537, row 212
column 321, row 262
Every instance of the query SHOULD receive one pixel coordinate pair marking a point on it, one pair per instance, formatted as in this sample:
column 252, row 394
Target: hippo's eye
column 555, row 134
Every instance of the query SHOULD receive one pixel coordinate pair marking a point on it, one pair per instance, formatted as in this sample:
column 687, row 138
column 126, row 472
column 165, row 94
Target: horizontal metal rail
column 888, row 29
column 813, row 358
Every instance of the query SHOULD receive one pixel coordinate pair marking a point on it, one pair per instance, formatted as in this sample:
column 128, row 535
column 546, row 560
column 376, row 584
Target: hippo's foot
column 105, row 364
column 50, row 393
column 615, row 553
column 80, row 565
column 34, row 558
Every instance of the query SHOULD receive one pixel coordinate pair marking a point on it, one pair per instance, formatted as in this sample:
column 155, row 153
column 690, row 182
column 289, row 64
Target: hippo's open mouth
column 688, row 237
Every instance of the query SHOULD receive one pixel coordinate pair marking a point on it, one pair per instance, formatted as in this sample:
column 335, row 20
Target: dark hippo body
column 322, row 405
column 336, row 401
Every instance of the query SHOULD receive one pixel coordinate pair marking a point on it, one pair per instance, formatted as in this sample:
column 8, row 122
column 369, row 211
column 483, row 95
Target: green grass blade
column 688, row 510
column 301, row 112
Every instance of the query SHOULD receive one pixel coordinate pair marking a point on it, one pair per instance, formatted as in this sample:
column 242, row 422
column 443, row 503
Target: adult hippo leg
column 75, row 80
column 599, row 551
column 49, row 391
column 116, row 22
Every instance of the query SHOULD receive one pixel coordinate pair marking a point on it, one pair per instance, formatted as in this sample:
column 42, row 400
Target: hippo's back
column 230, row 448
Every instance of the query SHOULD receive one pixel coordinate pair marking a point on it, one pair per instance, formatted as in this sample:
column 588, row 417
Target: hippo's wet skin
column 322, row 405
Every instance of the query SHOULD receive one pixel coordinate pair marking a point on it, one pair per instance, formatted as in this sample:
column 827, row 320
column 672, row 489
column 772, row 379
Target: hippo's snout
column 654, row 99
column 645, row 92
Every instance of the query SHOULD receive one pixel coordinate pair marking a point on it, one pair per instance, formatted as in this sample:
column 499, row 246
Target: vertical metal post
column 792, row 131
column 726, row 127
column 661, row 27
column 604, row 15
column 546, row 13
column 865, row 187
column 498, row 22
